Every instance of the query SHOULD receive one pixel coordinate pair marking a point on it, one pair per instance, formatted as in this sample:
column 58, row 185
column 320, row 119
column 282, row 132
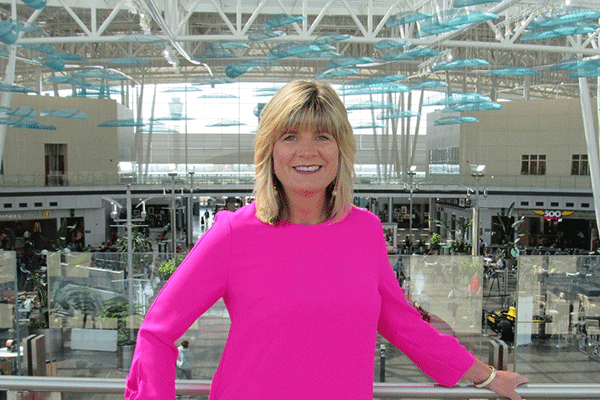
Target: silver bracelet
column 488, row 380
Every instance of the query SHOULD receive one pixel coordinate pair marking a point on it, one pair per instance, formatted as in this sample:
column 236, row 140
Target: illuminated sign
column 553, row 215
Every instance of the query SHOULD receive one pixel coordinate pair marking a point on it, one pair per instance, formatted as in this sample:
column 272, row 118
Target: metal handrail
column 388, row 390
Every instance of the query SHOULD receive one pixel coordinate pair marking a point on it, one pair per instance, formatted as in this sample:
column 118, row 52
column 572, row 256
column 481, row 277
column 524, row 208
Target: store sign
column 554, row 216
column 7, row 217
column 46, row 213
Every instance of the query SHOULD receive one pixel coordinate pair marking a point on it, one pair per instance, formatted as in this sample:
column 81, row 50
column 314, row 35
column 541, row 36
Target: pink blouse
column 306, row 303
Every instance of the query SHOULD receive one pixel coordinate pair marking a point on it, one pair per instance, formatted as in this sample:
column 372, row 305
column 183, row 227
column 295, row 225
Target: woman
column 299, row 328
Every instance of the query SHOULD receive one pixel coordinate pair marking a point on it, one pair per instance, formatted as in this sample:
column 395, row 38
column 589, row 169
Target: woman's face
column 305, row 162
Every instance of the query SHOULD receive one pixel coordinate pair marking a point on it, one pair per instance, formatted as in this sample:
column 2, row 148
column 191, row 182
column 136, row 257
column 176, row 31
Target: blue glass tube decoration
column 128, row 122
column 398, row 54
column 458, row 98
column 15, row 88
column 181, row 89
column 35, row 4
column 129, row 61
column 234, row 70
column 270, row 90
column 467, row 3
column 428, row 85
column 291, row 49
column 331, row 37
column 28, row 27
column 564, row 15
column 72, row 57
column 462, row 17
column 39, row 47
column 513, row 71
column 52, row 62
column 371, row 80
column 406, row 17
column 483, row 106
column 369, row 126
column 69, row 113
column 320, row 54
column 399, row 115
column 569, row 63
column 218, row 96
column 23, row 112
column 31, row 123
column 258, row 109
column 263, row 34
column 391, row 43
column 277, row 20
column 459, row 63
column 382, row 88
column 227, row 122
column 224, row 44
column 146, row 39
column 585, row 73
column 212, row 81
column 336, row 73
column 347, row 61
column 559, row 32
column 101, row 73
column 9, row 32
column 455, row 120
column 371, row 105
column 69, row 80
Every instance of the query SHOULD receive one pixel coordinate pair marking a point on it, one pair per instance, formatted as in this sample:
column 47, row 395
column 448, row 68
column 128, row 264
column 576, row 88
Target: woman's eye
column 288, row 138
column 322, row 137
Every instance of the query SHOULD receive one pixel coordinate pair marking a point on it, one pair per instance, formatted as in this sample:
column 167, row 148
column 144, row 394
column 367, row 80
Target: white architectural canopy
column 186, row 40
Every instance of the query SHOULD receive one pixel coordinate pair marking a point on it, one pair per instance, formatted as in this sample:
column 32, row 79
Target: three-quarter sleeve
column 196, row 285
column 440, row 356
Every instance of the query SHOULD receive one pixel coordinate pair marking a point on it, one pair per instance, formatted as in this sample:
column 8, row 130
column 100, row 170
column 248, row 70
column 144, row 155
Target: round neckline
column 330, row 221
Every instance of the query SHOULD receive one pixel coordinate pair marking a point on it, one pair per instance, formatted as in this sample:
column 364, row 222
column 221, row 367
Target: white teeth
column 307, row 169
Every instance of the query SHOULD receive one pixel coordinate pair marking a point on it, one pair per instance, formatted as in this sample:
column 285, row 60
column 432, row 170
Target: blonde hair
column 303, row 105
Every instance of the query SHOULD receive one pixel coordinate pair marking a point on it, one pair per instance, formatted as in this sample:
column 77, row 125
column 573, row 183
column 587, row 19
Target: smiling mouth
column 311, row 168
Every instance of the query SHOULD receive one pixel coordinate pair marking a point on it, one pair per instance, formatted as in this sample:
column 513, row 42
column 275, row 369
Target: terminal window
column 579, row 165
column 533, row 164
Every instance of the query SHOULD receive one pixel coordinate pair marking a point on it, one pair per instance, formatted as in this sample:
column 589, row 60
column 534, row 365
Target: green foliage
column 461, row 227
column 436, row 241
column 118, row 309
column 506, row 230
column 168, row 267
column 139, row 243
column 41, row 302
column 459, row 246
column 468, row 266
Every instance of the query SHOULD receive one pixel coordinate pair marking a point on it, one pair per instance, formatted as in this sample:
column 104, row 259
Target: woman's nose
column 307, row 147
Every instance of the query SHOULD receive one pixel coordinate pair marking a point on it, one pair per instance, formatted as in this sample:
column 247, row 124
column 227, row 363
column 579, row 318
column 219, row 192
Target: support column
column 9, row 79
column 591, row 139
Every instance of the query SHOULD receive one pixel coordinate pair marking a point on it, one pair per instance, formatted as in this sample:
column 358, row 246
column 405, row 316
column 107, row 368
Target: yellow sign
column 46, row 213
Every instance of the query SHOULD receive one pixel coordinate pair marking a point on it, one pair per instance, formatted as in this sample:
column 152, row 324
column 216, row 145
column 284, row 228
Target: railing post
column 498, row 355
column 16, row 395
column 382, row 363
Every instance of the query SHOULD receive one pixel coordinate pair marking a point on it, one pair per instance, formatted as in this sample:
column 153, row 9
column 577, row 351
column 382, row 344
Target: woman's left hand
column 505, row 384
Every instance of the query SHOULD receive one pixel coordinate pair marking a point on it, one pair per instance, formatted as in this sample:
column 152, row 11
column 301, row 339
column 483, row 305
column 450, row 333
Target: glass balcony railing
column 93, row 178
column 89, row 306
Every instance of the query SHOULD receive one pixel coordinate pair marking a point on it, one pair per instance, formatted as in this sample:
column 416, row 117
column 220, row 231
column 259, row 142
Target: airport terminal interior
column 476, row 124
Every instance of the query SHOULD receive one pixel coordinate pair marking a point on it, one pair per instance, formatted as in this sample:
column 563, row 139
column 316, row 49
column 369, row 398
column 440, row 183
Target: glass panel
column 557, row 312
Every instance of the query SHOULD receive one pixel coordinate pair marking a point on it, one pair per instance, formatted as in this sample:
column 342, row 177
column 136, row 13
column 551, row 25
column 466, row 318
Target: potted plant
column 436, row 242
column 118, row 308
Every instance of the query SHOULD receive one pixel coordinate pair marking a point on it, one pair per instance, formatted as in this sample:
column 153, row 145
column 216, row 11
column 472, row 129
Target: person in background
column 185, row 360
column 276, row 262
